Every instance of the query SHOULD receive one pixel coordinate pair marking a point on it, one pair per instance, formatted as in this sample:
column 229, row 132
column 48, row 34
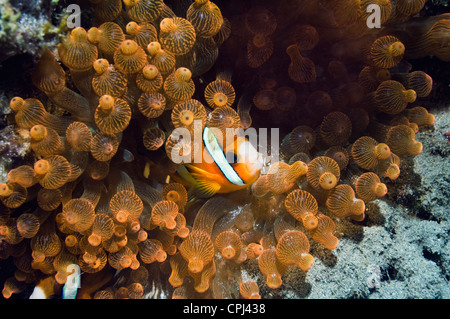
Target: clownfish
column 49, row 288
column 224, row 168
column 45, row 289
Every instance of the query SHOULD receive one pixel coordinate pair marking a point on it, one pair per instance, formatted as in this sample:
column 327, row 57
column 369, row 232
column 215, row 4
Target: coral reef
column 355, row 206
column 24, row 30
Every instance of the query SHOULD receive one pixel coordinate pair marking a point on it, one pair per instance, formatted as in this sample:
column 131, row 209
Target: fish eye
column 232, row 157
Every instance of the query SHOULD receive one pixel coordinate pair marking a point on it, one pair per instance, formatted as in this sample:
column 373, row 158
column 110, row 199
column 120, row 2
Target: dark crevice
column 437, row 259
column 390, row 273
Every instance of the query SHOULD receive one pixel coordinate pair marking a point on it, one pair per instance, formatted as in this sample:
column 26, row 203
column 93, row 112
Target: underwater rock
column 14, row 146
column 26, row 27
column 405, row 237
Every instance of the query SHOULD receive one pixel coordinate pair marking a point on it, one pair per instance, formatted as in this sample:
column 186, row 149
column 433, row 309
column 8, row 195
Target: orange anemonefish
column 46, row 288
column 223, row 169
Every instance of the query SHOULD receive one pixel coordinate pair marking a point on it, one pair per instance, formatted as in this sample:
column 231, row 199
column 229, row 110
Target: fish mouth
column 251, row 157
column 256, row 165
column 248, row 153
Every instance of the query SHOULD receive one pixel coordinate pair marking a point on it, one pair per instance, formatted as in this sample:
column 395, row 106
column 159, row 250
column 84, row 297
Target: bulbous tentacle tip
column 274, row 282
column 416, row 149
column 106, row 102
column 306, row 262
column 397, row 48
column 101, row 65
column 16, row 103
column 128, row 47
column 310, row 221
column 327, row 180
column 79, row 33
column 195, row 266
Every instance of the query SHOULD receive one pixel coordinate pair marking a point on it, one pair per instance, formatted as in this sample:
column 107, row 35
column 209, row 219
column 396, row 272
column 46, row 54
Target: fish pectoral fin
column 203, row 182
column 205, row 185
column 205, row 188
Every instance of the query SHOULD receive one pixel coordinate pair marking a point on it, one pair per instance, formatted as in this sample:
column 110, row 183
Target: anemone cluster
column 99, row 194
